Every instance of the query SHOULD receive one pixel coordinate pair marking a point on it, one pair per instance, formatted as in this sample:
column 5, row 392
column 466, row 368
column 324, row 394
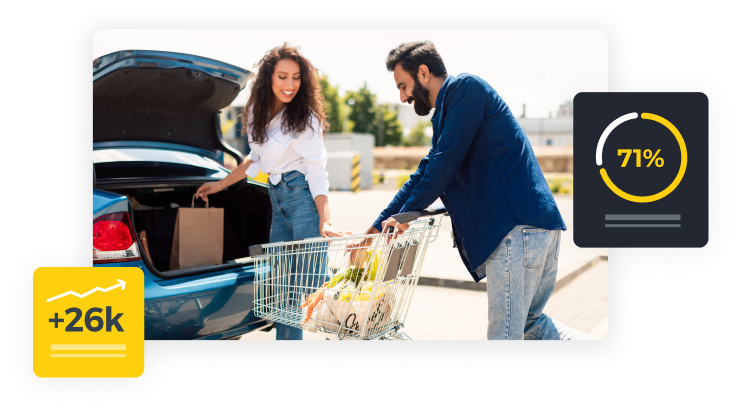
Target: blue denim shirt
column 482, row 167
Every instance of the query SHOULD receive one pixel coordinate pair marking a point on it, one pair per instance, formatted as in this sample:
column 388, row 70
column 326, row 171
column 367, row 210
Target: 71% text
column 647, row 154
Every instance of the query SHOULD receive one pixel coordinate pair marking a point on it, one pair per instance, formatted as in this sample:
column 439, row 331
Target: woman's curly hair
column 308, row 101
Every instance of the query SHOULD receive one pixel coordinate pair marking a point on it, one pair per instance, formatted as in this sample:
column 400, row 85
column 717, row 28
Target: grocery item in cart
column 339, row 299
column 348, row 301
column 312, row 301
column 374, row 265
column 352, row 315
column 319, row 306
column 355, row 271
column 349, row 277
column 346, row 258
column 323, row 317
column 330, row 294
column 348, row 307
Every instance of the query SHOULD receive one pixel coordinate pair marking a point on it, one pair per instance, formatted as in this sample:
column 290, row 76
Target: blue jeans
column 294, row 217
column 521, row 274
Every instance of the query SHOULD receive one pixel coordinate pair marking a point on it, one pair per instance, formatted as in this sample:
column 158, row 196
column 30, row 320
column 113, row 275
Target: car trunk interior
column 247, row 219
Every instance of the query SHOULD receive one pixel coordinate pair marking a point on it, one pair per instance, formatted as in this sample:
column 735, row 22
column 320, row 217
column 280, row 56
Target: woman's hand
column 207, row 189
column 326, row 230
column 325, row 226
column 233, row 177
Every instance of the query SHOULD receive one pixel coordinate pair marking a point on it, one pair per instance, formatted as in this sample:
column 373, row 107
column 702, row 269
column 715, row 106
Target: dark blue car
column 156, row 139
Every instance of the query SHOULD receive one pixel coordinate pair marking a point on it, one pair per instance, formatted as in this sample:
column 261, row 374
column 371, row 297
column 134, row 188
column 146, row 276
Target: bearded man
column 506, row 223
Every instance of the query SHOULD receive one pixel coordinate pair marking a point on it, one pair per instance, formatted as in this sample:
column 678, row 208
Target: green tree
column 391, row 127
column 333, row 107
column 417, row 136
column 362, row 110
column 367, row 117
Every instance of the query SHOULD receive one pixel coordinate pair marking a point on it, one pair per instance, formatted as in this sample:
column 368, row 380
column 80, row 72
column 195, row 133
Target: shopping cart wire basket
column 353, row 287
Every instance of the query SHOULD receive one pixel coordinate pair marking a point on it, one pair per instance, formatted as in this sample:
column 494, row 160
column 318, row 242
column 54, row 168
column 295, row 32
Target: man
column 481, row 165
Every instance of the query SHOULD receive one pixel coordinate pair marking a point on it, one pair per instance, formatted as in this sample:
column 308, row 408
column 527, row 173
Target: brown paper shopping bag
column 198, row 237
column 144, row 242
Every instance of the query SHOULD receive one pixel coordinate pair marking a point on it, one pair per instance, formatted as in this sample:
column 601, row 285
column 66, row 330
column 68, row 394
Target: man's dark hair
column 413, row 54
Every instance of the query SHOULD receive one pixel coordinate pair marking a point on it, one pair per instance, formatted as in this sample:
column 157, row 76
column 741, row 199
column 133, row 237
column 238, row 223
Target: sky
column 538, row 68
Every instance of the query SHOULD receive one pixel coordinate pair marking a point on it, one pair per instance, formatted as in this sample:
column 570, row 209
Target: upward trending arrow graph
column 121, row 283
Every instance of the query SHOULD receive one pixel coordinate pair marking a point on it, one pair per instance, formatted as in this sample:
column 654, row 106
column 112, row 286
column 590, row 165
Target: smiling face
column 411, row 90
column 286, row 80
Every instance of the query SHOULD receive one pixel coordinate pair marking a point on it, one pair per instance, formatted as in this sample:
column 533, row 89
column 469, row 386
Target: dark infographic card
column 640, row 169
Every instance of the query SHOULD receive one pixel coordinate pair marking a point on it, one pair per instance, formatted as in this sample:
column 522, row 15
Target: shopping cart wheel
column 402, row 336
column 268, row 328
column 396, row 335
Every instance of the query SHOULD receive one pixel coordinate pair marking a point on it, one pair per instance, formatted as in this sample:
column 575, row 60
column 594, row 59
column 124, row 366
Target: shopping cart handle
column 408, row 216
column 256, row 250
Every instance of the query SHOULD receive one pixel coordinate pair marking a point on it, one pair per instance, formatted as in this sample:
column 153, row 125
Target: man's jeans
column 520, row 278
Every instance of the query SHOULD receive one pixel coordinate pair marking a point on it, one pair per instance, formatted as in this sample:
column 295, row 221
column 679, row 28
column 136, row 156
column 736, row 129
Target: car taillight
column 114, row 239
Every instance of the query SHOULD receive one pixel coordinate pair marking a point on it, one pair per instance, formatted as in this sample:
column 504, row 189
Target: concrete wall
column 555, row 162
column 339, row 167
column 398, row 158
column 345, row 144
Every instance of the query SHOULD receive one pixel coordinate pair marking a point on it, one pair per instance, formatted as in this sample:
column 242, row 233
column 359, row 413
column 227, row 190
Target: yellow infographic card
column 88, row 322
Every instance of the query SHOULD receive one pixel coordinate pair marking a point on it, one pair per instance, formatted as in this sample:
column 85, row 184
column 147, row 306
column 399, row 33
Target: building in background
column 408, row 118
column 553, row 131
column 565, row 109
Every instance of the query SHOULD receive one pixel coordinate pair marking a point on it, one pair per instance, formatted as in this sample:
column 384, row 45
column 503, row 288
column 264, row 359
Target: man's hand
column 391, row 222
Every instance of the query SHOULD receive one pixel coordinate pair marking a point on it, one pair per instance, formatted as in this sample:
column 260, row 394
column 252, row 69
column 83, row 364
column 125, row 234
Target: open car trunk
column 153, row 101
column 247, row 219
column 141, row 95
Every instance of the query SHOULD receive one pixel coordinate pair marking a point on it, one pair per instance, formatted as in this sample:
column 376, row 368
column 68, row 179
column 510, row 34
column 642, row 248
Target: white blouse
column 283, row 153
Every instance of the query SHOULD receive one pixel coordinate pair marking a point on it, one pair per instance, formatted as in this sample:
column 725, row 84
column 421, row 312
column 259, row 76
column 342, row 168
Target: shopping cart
column 354, row 287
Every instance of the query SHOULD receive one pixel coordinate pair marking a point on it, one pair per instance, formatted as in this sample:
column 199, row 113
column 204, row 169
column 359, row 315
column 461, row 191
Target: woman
column 284, row 120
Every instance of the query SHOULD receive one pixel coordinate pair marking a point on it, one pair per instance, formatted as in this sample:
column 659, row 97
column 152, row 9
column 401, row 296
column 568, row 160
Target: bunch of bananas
column 365, row 289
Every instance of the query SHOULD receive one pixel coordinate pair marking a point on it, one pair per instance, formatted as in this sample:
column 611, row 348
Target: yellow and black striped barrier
column 355, row 182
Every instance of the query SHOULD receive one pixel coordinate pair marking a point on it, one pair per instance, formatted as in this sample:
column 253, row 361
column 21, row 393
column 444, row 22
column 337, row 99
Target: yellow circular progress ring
column 676, row 181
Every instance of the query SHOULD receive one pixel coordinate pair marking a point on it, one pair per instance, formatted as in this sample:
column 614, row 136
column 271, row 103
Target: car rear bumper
column 214, row 305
